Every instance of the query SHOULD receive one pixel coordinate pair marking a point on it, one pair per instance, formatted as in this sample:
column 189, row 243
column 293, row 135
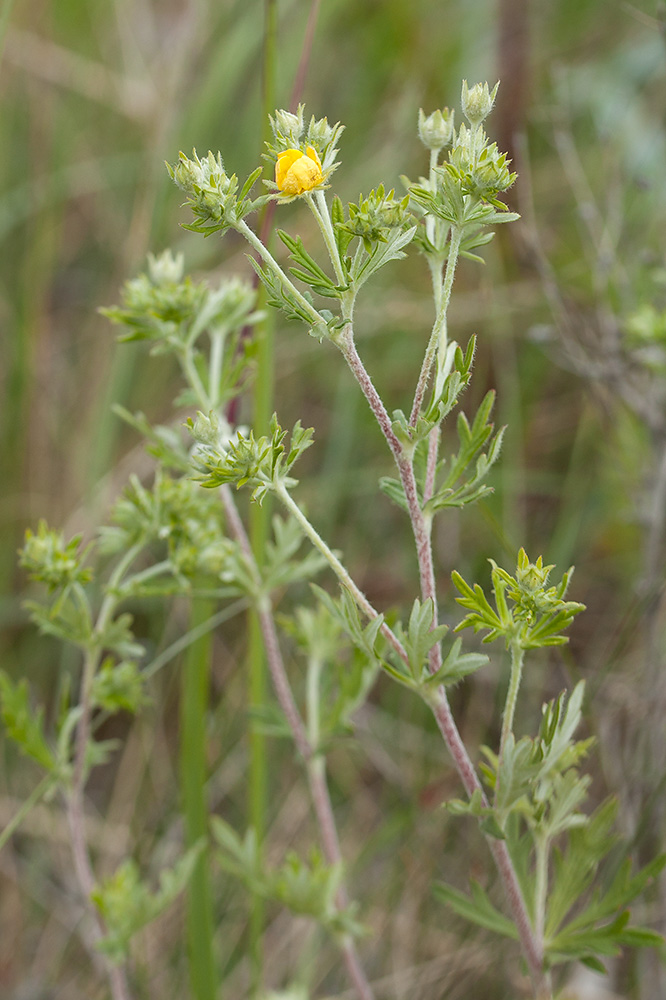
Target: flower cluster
column 305, row 157
column 157, row 303
column 375, row 217
column 48, row 558
column 211, row 194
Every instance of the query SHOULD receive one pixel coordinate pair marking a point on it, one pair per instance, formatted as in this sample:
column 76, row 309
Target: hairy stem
column 343, row 576
column 542, row 845
column 517, row 658
column 322, row 215
column 77, row 828
column 420, row 524
column 531, row 945
column 439, row 337
column 269, row 259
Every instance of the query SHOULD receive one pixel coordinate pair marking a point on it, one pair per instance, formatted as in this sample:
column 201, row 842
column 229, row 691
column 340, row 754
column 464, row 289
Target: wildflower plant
column 184, row 534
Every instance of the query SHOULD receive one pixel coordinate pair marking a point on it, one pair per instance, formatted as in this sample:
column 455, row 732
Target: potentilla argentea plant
column 184, row 535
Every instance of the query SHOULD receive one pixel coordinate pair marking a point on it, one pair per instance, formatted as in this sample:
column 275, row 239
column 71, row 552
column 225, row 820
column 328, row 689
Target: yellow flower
column 297, row 172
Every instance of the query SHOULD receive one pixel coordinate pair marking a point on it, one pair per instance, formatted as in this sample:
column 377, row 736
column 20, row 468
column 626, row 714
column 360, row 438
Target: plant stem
column 44, row 786
column 192, row 376
column 532, row 947
column 74, row 797
column 262, row 401
column 269, row 259
column 195, row 680
column 217, row 338
column 542, row 845
column 531, row 944
column 517, row 658
column 322, row 215
column 312, row 699
column 76, row 822
column 420, row 524
column 438, row 338
column 343, row 576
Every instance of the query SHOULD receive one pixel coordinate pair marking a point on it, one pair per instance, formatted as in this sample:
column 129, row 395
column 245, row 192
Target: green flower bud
column 205, row 428
column 436, row 131
column 166, row 269
column 211, row 193
column 321, row 134
column 287, row 127
column 477, row 103
column 48, row 558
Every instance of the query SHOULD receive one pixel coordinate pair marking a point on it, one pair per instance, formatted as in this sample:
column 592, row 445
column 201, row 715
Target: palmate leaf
column 24, row 725
column 452, row 492
column 308, row 270
column 477, row 909
column 365, row 265
column 346, row 613
column 456, row 665
column 127, row 903
column 420, row 635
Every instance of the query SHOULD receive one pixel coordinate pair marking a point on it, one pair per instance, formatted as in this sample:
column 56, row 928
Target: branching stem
column 315, row 764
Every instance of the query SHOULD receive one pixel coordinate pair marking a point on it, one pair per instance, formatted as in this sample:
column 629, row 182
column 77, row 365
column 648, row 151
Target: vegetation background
column 94, row 96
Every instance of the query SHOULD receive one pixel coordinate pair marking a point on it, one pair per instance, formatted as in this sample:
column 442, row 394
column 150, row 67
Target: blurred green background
column 94, row 96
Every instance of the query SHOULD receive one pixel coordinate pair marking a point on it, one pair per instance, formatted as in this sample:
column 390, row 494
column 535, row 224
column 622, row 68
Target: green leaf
column 23, row 723
column 127, row 904
column 421, row 635
column 478, row 909
column 457, row 665
column 381, row 254
column 393, row 489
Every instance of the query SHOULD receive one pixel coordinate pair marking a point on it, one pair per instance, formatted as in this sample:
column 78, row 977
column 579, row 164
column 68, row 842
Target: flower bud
column 321, row 134
column 477, row 103
column 288, row 127
column 436, row 131
column 166, row 269
column 205, row 428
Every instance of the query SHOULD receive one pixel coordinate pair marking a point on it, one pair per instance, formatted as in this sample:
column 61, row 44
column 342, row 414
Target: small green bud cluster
column 261, row 463
column 463, row 190
column 174, row 513
column 527, row 612
column 166, row 269
column 211, row 194
column 48, row 558
column 288, row 128
column 482, row 170
column 157, row 304
column 375, row 217
column 436, row 131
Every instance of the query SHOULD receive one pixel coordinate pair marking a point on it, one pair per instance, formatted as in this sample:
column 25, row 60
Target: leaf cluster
column 538, row 791
column 463, row 192
column 373, row 219
column 527, row 612
column 127, row 903
column 261, row 463
column 306, row 888
column 459, row 479
column 213, row 197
